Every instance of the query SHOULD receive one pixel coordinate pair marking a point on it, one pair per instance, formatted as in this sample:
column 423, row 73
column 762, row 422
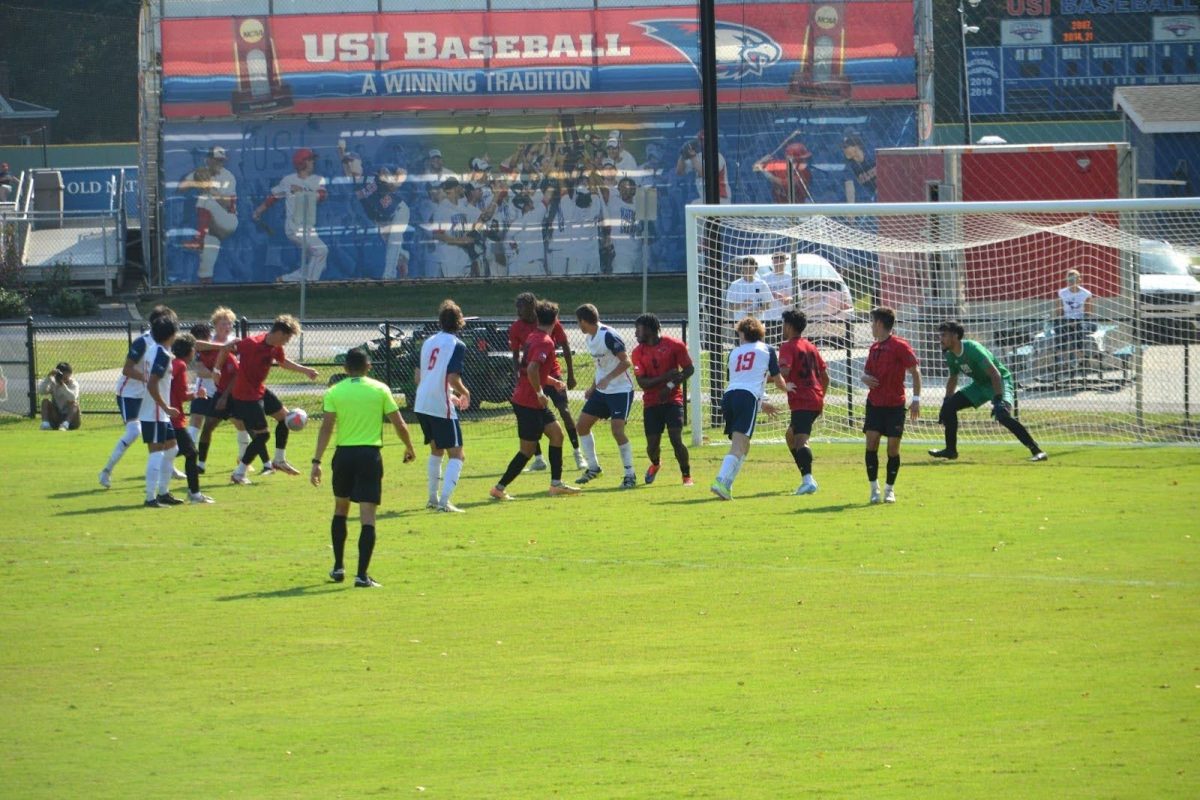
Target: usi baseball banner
column 646, row 56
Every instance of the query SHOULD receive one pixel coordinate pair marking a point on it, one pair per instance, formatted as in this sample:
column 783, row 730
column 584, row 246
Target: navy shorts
column 888, row 420
column 656, row 419
column 157, row 432
column 740, row 409
column 442, row 433
column 802, row 421
column 129, row 408
column 358, row 474
column 532, row 422
column 604, row 405
column 203, row 406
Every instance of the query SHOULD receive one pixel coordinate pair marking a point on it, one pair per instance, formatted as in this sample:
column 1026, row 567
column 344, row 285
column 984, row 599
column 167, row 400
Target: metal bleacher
column 82, row 247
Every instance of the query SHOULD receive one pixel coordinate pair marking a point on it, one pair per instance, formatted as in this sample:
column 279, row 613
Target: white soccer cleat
column 432, row 504
column 177, row 474
column 875, row 496
column 105, row 479
column 537, row 465
column 450, row 508
column 1040, row 455
column 889, row 495
column 808, row 487
column 199, row 499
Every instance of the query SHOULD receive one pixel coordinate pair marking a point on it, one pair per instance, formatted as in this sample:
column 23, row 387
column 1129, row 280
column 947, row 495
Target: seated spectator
column 61, row 409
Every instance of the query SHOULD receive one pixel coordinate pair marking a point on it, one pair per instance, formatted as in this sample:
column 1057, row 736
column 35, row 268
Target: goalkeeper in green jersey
column 990, row 380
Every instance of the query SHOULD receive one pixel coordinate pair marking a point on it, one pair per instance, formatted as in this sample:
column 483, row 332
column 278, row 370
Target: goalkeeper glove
column 998, row 405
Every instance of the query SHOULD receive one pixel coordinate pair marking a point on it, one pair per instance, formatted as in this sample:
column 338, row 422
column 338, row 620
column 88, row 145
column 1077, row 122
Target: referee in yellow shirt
column 356, row 406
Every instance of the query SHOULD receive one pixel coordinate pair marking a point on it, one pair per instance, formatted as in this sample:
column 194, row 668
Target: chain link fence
column 96, row 352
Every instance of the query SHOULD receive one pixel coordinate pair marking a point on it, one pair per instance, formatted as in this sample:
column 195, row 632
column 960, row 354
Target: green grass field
column 1005, row 630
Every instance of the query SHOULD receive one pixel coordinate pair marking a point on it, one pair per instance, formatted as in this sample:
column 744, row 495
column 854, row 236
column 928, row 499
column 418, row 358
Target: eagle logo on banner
column 741, row 50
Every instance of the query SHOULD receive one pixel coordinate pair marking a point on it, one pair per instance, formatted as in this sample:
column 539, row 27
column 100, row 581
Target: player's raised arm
column 308, row 372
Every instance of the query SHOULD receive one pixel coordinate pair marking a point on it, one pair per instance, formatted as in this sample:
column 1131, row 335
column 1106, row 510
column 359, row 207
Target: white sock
column 875, row 486
column 887, row 487
column 433, row 472
column 167, row 470
column 729, row 469
column 738, row 468
column 194, row 432
column 240, row 469
column 243, row 443
column 453, row 470
column 587, row 443
column 626, row 451
column 153, row 469
column 133, row 430
column 280, row 456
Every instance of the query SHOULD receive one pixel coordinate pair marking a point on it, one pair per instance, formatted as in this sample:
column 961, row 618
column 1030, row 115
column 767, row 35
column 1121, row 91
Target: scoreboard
column 1070, row 62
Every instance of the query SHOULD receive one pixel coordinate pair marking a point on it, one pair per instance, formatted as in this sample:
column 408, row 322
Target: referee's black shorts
column 358, row 473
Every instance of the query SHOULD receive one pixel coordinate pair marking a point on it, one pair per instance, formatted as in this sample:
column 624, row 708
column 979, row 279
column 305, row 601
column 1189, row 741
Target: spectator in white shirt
column 61, row 409
column 749, row 295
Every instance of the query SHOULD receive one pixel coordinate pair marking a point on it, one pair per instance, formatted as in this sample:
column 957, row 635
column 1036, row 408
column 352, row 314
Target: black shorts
column 254, row 413
column 358, row 474
column 888, row 420
column 203, row 405
column 658, row 418
column 557, row 399
column 532, row 422
column 802, row 421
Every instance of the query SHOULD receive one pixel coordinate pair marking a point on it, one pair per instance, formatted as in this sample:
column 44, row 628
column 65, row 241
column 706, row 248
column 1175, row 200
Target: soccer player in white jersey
column 750, row 365
column 574, row 246
column 440, row 396
column 131, row 388
column 301, row 191
column 609, row 397
column 156, row 412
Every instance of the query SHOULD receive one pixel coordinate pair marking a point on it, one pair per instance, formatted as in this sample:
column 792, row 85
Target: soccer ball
column 296, row 419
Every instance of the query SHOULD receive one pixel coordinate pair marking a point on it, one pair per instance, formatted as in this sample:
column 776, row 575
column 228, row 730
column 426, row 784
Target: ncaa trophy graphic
column 259, row 88
column 822, row 71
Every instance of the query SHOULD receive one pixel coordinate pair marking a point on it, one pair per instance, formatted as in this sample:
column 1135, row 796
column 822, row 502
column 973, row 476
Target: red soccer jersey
column 537, row 349
column 520, row 330
column 179, row 390
column 888, row 361
column 255, row 359
column 801, row 365
column 229, row 369
column 650, row 361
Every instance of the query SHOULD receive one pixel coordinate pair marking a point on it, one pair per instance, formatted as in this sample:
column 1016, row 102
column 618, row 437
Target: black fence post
column 388, row 363
column 243, row 328
column 29, row 354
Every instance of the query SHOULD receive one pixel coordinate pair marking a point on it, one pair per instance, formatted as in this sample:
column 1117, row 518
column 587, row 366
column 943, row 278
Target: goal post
column 1093, row 305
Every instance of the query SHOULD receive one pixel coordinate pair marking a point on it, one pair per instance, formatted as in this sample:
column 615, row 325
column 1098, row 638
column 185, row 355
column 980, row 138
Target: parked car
column 820, row 292
column 487, row 368
column 1168, row 293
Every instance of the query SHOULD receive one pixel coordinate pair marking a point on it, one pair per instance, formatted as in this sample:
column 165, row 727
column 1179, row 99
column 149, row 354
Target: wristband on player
column 916, row 398
column 670, row 384
column 317, row 461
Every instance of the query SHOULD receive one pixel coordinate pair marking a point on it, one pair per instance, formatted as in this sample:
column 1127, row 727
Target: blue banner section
column 457, row 197
column 95, row 189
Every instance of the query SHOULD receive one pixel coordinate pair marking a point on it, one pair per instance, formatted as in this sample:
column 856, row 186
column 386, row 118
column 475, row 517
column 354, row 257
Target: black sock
column 537, row 449
column 949, row 419
column 893, row 469
column 1019, row 431
column 192, row 471
column 337, row 533
column 281, row 435
column 257, row 447
column 803, row 456
column 204, row 445
column 514, row 468
column 573, row 436
column 682, row 456
column 556, row 463
column 872, row 465
column 366, row 546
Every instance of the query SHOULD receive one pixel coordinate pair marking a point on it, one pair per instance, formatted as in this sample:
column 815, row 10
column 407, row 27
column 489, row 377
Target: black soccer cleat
column 169, row 499
column 153, row 504
column 367, row 582
column 949, row 455
column 588, row 476
column 337, row 575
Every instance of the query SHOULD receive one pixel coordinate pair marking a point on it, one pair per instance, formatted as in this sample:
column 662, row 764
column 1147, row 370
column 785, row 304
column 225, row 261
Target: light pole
column 966, row 71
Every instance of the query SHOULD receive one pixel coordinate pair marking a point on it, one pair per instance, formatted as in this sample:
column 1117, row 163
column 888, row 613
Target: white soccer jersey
column 749, row 366
column 1073, row 303
column 128, row 387
column 300, row 196
column 441, row 354
column 604, row 346
column 574, row 228
column 156, row 361
column 526, row 252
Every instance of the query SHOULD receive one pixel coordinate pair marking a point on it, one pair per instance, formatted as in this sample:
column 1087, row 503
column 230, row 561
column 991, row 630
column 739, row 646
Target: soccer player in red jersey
column 807, row 381
column 888, row 360
column 252, row 402
column 539, row 373
column 661, row 365
column 183, row 348
column 525, row 324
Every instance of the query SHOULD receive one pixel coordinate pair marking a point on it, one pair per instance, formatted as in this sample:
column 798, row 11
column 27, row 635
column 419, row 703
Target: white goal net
column 1094, row 307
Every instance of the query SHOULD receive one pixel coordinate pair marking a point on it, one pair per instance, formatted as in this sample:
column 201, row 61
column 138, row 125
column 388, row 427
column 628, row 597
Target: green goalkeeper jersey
column 974, row 361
